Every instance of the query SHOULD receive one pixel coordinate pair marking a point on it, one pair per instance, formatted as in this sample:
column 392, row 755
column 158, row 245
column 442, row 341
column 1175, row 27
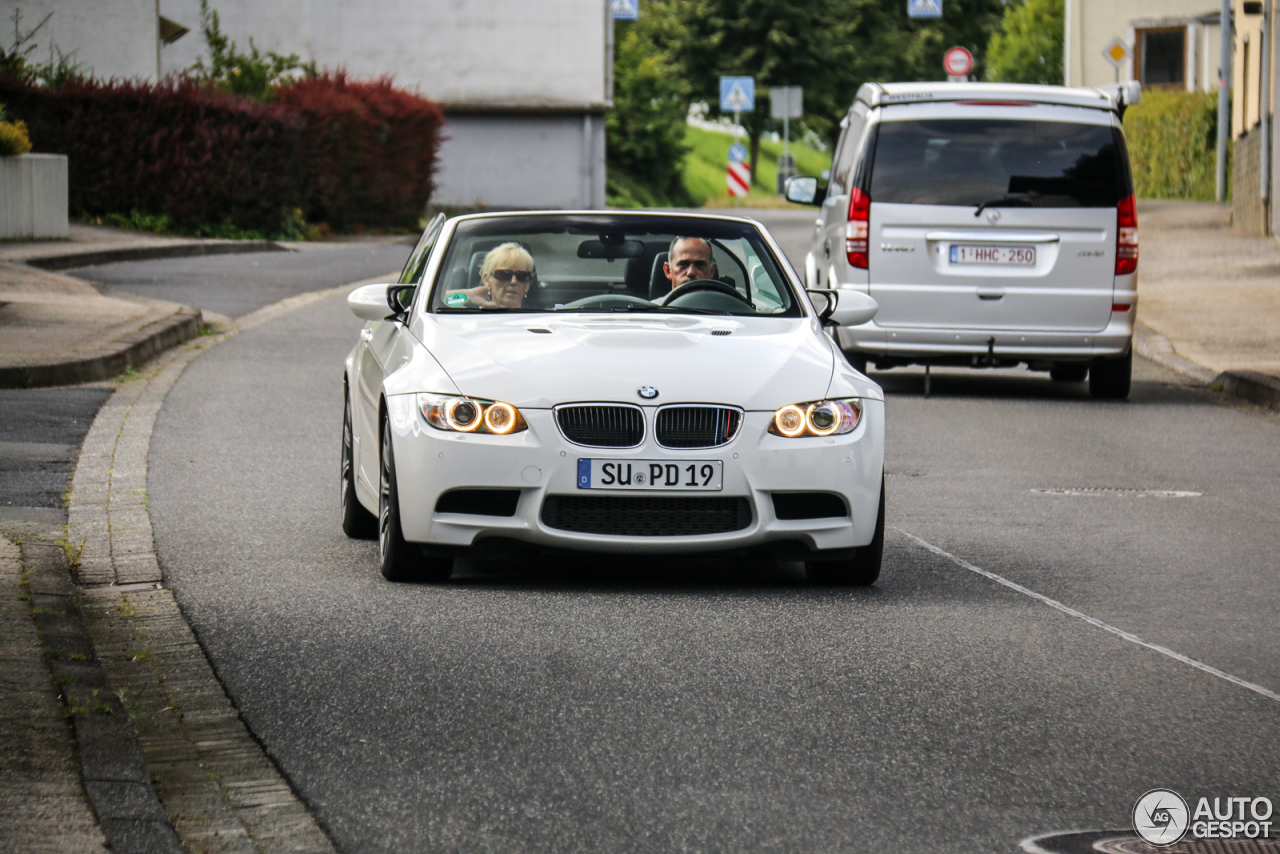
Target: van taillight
column 858, row 228
column 1126, row 236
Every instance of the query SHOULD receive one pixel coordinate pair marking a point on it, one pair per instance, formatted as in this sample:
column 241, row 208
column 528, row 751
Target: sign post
column 738, row 177
column 957, row 62
column 786, row 103
column 738, row 96
column 1116, row 52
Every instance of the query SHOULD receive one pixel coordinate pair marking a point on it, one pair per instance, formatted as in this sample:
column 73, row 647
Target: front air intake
column 646, row 516
column 601, row 425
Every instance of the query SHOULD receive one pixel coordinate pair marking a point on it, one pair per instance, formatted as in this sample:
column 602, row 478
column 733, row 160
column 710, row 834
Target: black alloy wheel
column 862, row 569
column 357, row 522
column 398, row 559
column 1109, row 379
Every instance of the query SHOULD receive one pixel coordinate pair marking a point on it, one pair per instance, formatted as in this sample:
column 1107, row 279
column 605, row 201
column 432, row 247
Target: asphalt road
column 234, row 285
column 606, row 705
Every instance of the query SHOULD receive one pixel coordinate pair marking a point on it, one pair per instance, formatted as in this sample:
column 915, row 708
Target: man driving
column 688, row 260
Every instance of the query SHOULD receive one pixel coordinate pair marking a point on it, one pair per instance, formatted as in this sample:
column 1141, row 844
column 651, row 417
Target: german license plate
column 686, row 475
column 1009, row 256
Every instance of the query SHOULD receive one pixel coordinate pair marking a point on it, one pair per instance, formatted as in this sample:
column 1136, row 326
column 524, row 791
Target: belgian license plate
column 1011, row 256
column 690, row 475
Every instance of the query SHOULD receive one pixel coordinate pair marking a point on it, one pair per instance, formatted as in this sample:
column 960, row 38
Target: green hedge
column 1172, row 139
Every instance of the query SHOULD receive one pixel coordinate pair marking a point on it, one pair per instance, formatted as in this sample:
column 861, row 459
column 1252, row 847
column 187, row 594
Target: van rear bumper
column 978, row 346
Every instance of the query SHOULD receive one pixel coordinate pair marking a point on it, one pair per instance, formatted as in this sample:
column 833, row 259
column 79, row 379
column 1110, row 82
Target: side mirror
column 802, row 189
column 380, row 302
column 845, row 307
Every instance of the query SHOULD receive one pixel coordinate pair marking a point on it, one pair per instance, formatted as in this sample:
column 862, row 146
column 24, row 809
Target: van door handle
column 990, row 293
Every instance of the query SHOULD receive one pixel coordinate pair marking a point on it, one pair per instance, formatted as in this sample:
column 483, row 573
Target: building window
column 1161, row 57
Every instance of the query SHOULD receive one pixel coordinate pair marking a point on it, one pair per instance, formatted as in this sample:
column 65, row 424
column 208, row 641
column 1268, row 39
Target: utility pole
column 1264, row 127
column 1224, row 97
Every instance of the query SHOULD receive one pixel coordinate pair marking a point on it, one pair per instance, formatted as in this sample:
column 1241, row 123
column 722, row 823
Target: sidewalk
column 59, row 330
column 1209, row 298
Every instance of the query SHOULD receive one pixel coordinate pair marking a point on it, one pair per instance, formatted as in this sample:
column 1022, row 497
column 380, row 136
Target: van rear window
column 999, row 161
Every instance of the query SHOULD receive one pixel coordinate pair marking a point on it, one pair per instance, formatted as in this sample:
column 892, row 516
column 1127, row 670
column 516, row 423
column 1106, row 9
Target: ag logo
column 648, row 392
column 1160, row 817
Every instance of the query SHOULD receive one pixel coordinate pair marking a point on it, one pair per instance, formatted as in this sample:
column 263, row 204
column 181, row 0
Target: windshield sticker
column 456, row 299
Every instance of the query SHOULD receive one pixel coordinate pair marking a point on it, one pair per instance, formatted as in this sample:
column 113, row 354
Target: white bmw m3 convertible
column 609, row 382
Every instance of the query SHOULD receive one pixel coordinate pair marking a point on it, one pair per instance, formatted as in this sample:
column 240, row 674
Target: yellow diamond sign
column 1116, row 52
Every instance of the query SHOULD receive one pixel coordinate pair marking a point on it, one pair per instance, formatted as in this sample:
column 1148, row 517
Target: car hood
column 536, row 361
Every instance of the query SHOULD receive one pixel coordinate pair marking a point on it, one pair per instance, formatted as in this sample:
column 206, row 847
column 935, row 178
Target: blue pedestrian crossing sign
column 625, row 10
column 737, row 94
column 737, row 153
column 924, row 8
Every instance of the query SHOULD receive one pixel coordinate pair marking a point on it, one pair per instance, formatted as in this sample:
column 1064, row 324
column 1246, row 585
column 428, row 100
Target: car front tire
column 862, row 569
column 397, row 559
column 357, row 522
column 1109, row 379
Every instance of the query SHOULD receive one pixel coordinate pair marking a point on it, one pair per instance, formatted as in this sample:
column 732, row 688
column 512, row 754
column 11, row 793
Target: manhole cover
column 1189, row 845
column 1110, row 490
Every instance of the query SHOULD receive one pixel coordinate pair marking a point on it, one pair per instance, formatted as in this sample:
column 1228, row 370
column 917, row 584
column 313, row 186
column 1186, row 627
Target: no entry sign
column 957, row 62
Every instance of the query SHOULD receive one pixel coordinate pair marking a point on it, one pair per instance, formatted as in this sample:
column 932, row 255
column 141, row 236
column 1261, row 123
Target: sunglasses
column 505, row 276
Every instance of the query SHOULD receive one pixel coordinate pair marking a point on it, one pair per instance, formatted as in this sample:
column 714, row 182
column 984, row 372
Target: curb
column 1252, row 386
column 114, row 772
column 130, row 351
column 151, row 253
column 216, row 783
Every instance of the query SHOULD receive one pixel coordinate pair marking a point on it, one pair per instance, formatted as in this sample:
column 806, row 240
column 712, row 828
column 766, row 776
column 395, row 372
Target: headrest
column 659, row 284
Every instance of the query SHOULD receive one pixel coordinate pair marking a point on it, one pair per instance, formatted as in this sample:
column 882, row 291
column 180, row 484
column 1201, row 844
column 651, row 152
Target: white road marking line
column 1093, row 621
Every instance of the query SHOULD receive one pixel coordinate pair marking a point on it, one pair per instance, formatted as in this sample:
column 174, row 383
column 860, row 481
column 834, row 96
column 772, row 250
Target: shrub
column 346, row 153
column 1172, row 139
column 13, row 137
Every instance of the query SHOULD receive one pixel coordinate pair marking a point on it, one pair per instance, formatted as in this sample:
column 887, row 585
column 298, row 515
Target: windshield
column 611, row 264
column 999, row 162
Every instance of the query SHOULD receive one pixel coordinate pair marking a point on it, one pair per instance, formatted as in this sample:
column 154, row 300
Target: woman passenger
column 505, row 277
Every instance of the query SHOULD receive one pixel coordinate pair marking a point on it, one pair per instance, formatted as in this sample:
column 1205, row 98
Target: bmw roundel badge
column 648, row 392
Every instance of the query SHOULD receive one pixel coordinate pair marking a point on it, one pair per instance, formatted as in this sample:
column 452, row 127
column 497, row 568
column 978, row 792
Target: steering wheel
column 604, row 301
column 706, row 285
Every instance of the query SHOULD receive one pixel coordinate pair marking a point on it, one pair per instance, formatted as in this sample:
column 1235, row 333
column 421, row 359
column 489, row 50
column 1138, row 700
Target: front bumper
column 540, row 462
column 1009, row 344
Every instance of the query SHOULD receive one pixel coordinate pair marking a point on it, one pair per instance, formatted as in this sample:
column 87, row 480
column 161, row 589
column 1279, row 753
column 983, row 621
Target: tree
column 1028, row 46
column 830, row 47
column 646, row 126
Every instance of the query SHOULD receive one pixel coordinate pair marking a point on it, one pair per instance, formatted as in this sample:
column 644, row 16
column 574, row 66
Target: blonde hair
column 504, row 256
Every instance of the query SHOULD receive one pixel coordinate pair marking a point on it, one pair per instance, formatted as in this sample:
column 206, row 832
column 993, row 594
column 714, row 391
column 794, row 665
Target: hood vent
column 539, row 331
column 721, row 331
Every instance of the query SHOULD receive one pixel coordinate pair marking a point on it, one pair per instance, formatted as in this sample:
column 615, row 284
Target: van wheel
column 1069, row 372
column 400, row 560
column 858, row 360
column 1109, row 379
column 862, row 569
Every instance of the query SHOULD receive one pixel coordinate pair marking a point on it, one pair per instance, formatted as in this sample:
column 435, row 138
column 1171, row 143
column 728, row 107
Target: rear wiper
column 1029, row 198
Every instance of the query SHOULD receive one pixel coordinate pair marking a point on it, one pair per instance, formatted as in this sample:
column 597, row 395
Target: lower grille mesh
column 645, row 516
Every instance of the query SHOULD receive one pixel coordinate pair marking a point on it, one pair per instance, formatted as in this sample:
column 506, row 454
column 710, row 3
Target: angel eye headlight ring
column 462, row 414
column 817, row 418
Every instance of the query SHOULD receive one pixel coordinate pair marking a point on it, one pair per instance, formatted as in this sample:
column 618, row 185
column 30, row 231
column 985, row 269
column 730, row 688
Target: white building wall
column 495, row 53
column 108, row 38
column 1092, row 24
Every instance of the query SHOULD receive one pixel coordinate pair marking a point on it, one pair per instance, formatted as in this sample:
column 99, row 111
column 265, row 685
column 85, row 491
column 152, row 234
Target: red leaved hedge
column 346, row 153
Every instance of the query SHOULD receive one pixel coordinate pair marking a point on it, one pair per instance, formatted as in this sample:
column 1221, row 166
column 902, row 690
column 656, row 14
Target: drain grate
column 1112, row 490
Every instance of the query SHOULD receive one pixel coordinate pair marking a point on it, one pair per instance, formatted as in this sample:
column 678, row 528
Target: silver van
column 994, row 224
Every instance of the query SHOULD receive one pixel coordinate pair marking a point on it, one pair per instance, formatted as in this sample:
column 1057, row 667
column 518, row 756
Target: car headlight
column 463, row 414
column 818, row 418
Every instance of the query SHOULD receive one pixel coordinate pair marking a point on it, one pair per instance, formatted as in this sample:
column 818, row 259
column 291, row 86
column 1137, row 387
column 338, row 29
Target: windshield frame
column 714, row 228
